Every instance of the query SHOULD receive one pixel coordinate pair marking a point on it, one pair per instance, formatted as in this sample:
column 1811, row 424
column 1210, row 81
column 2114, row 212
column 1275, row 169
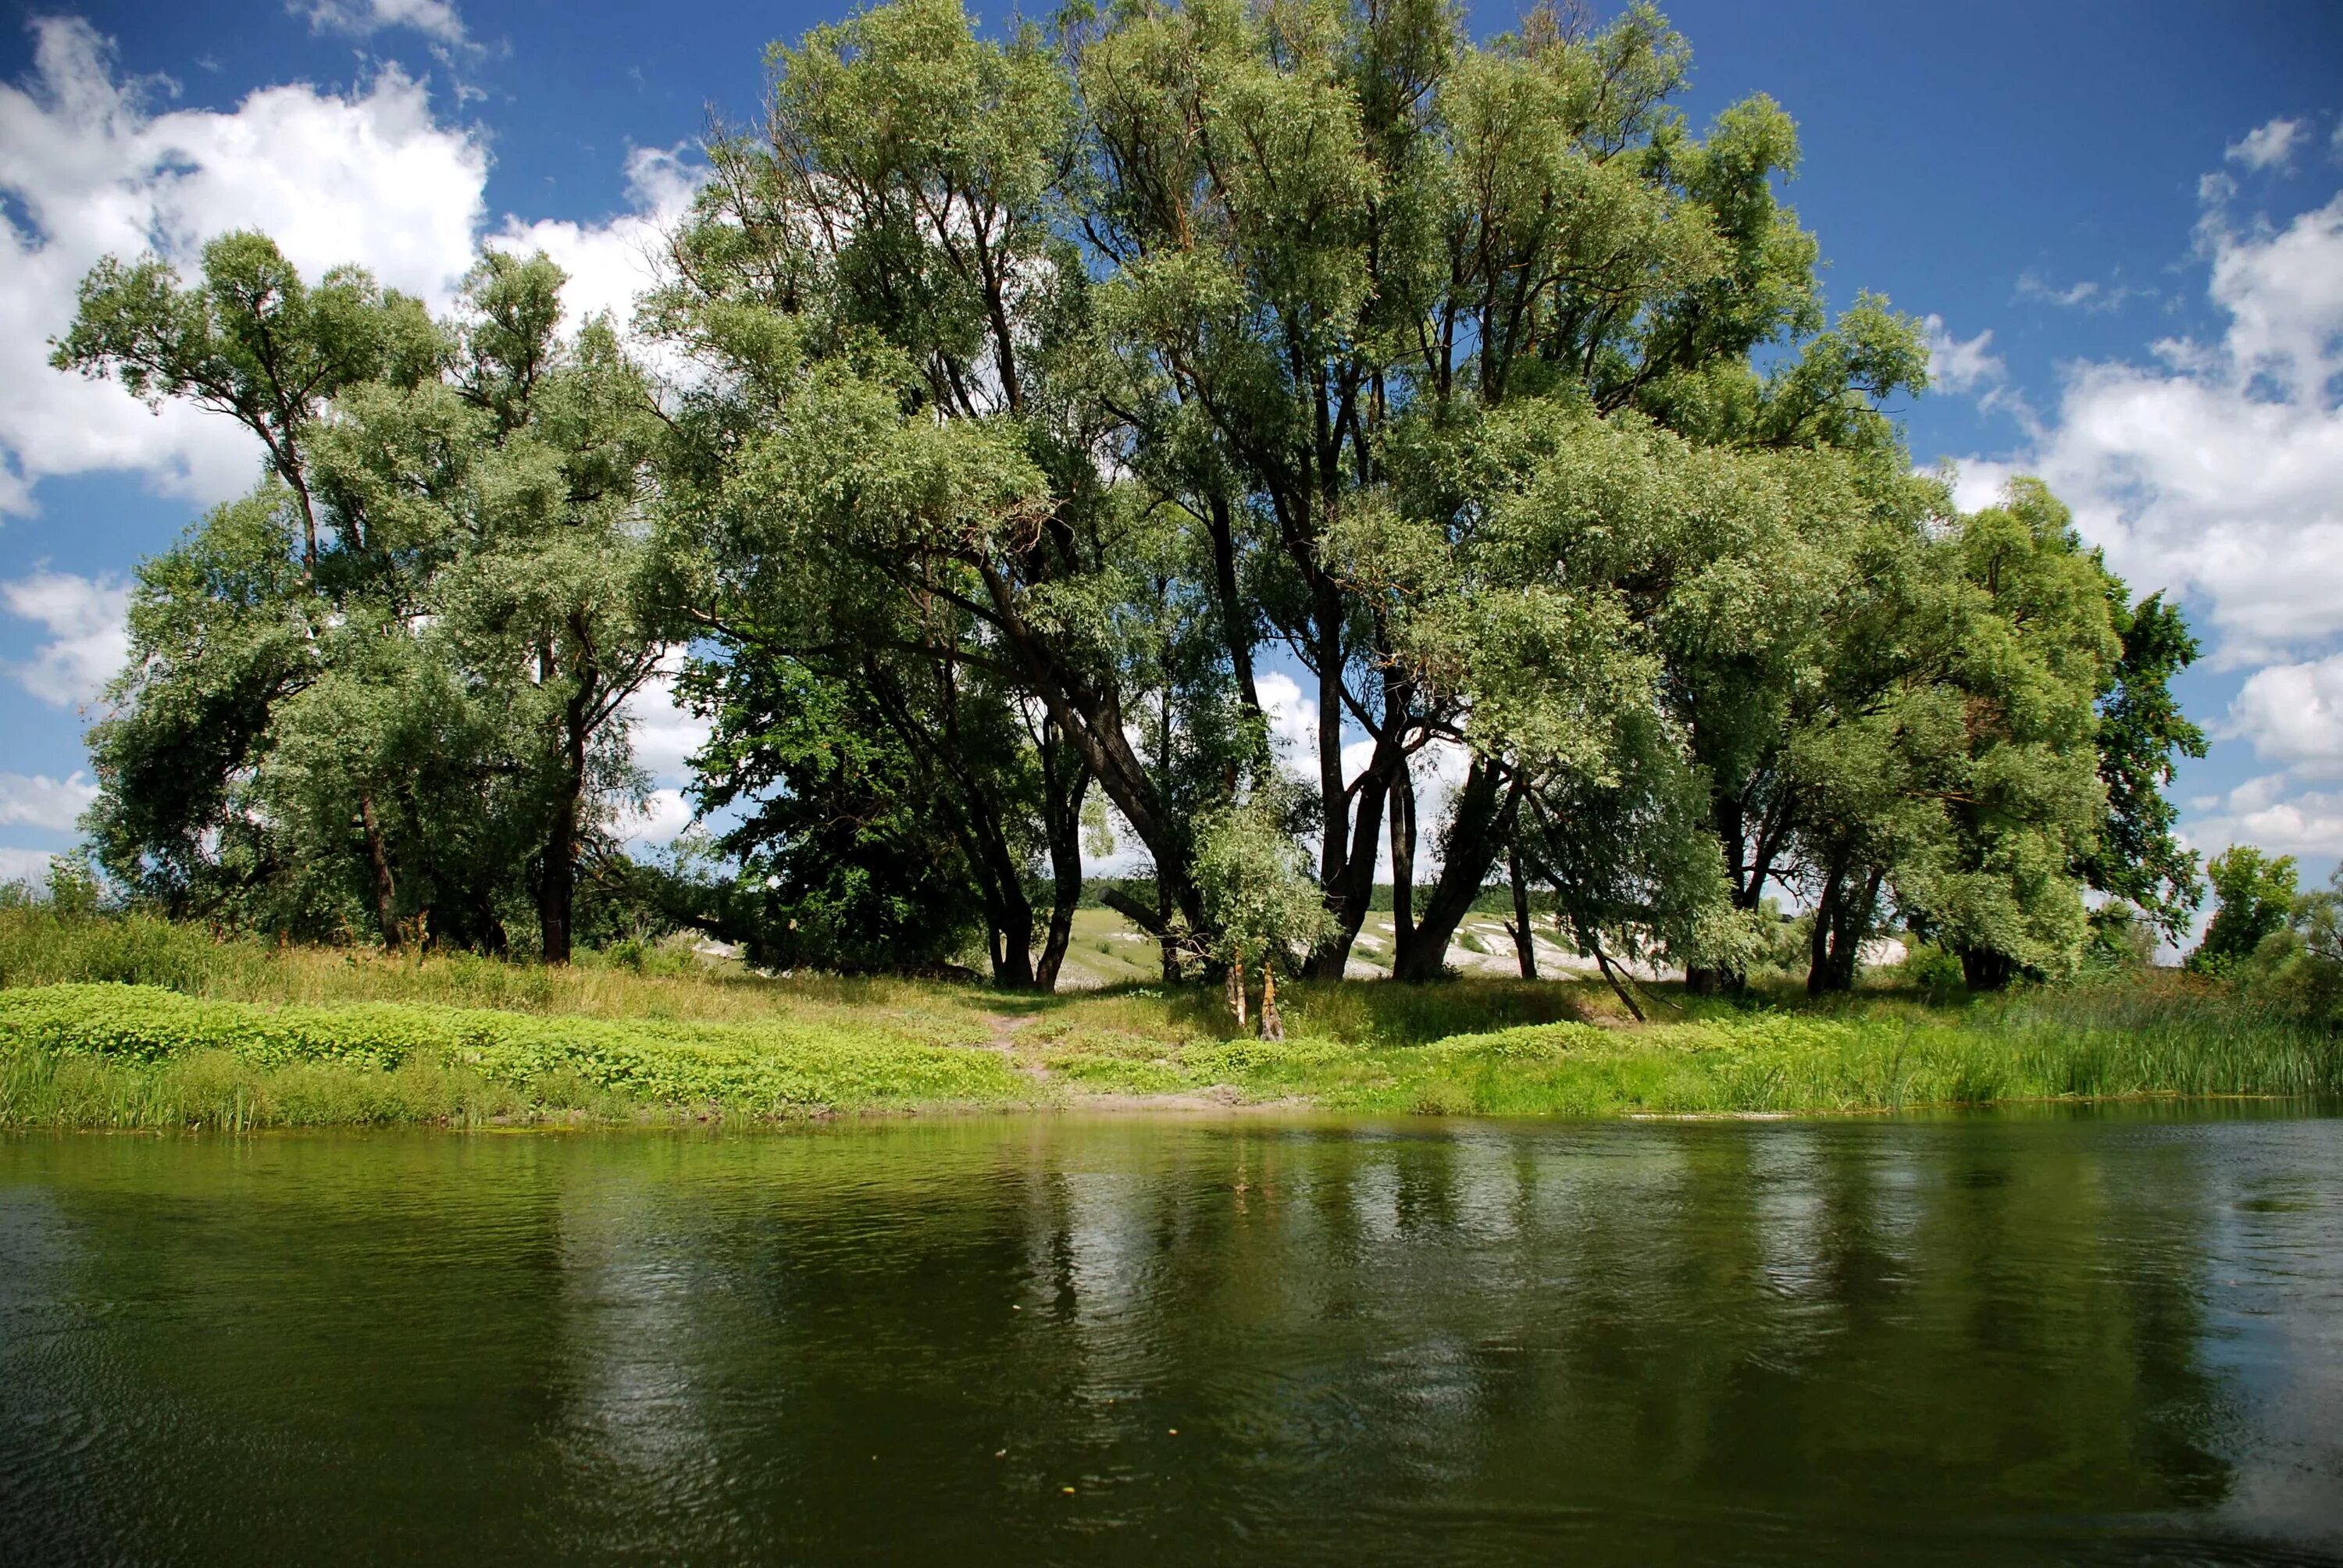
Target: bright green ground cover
column 109, row 1021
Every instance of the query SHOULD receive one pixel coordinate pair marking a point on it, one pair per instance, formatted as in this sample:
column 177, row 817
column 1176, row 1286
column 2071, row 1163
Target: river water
column 2011, row 1338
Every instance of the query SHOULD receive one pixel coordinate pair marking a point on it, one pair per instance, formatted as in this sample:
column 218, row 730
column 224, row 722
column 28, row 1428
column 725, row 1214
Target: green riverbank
column 79, row 1055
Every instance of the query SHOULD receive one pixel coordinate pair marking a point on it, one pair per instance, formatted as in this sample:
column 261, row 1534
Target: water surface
column 2013, row 1338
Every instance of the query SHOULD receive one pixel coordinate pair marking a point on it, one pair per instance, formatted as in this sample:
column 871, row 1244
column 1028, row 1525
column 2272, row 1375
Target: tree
column 391, row 680
column 2253, row 898
column 252, row 341
column 2136, row 859
column 1259, row 897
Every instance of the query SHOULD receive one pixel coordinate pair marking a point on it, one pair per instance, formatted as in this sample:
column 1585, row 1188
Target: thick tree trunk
column 1092, row 722
column 1819, row 946
column 1842, row 919
column 386, row 892
column 1524, row 944
column 1482, row 820
column 558, row 886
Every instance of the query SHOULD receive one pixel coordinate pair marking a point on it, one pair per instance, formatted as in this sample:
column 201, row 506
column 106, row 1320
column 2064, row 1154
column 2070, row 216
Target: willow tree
column 1090, row 363
column 401, row 664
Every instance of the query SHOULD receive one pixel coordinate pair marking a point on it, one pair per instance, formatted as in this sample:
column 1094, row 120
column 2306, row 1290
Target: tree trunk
column 1237, row 990
column 557, row 886
column 1842, row 920
column 1272, row 1023
column 1235, row 621
column 1603, row 962
column 1482, row 820
column 1818, row 964
column 1985, row 970
column 1525, row 945
column 1164, row 937
column 1403, row 851
column 386, row 893
column 1064, row 782
column 1092, row 723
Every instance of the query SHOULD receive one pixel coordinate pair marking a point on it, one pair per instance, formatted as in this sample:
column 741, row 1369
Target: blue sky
column 2127, row 221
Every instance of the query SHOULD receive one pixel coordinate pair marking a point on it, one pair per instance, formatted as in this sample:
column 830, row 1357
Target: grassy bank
column 133, row 1023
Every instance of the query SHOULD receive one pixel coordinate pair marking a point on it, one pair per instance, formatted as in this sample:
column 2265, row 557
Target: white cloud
column 25, row 865
column 2293, row 713
column 2085, row 295
column 2214, row 469
column 664, row 734
column 2267, row 146
column 610, row 263
column 1292, row 723
column 1961, row 365
column 433, row 18
column 372, row 176
column 88, row 642
column 2260, row 812
column 663, row 814
column 2218, row 471
column 36, row 801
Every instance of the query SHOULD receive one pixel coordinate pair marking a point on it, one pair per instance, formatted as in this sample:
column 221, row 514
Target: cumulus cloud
column 88, row 642
column 2217, row 469
column 433, row 18
column 663, row 814
column 1961, row 365
column 610, row 263
column 90, row 171
column 664, row 736
column 89, row 166
column 2293, row 713
column 36, row 801
column 2262, row 811
column 2213, row 468
column 2267, row 146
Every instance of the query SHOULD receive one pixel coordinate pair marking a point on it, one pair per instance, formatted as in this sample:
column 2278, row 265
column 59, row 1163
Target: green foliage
column 1258, row 893
column 383, row 691
column 2254, row 898
column 2297, row 970
column 2141, row 731
column 1040, row 379
column 845, row 846
column 770, row 1070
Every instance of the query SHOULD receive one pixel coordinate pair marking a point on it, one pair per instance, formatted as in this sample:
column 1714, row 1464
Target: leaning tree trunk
column 1525, row 945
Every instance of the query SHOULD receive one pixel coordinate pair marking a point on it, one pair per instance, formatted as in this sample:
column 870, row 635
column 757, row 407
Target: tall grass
column 39, row 946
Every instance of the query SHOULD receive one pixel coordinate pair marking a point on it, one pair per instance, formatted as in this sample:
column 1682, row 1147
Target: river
column 2014, row 1337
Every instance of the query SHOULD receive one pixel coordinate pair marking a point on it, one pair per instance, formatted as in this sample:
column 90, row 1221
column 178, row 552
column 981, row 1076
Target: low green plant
column 108, row 1033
